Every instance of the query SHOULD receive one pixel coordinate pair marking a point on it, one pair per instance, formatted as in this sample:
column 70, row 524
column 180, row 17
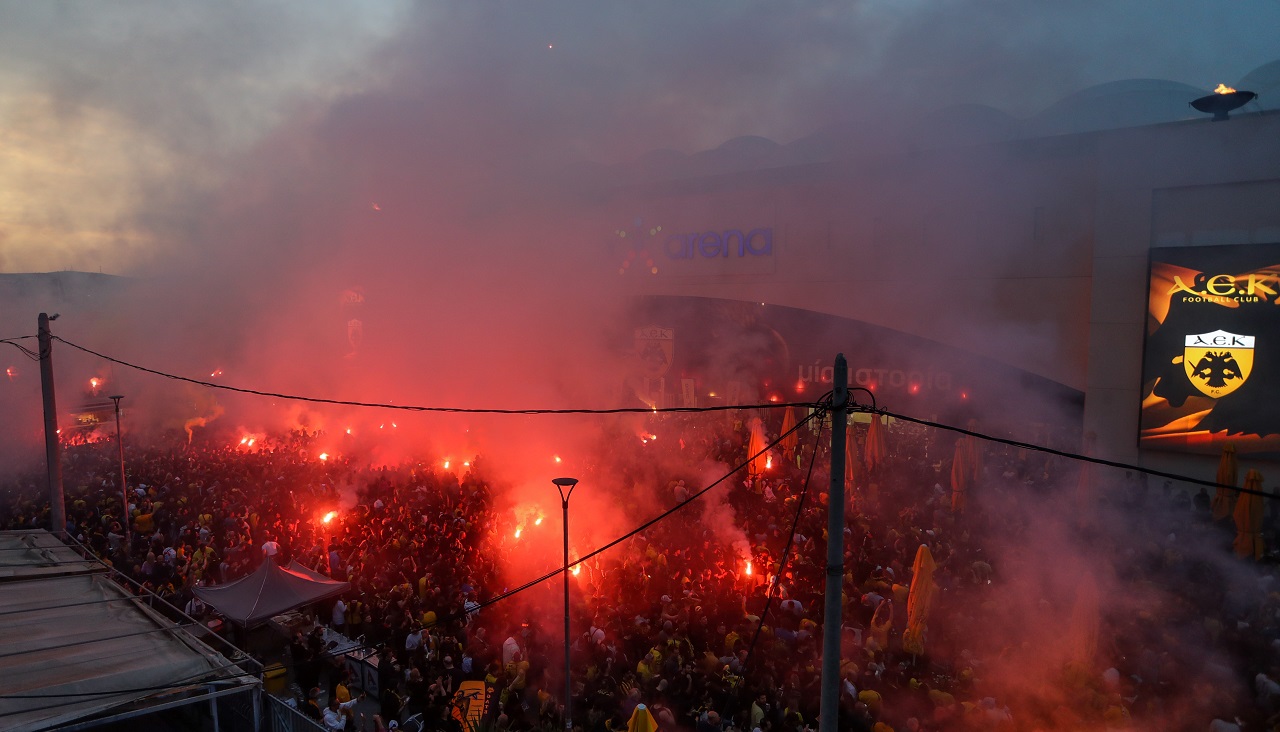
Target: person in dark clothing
column 312, row 707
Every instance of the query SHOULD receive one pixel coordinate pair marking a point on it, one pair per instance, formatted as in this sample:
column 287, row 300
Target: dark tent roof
column 270, row 590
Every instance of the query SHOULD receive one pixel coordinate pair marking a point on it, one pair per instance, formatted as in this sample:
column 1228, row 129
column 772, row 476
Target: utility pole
column 52, row 440
column 124, row 484
column 832, row 618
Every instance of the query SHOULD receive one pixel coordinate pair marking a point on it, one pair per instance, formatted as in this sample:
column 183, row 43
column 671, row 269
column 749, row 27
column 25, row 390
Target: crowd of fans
column 713, row 624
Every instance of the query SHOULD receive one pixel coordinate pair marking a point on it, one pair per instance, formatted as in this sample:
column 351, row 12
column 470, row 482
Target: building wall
column 1033, row 252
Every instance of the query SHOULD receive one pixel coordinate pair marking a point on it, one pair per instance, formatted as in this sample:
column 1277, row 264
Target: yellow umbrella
column 1082, row 628
column 789, row 441
column 755, row 449
column 642, row 720
column 1248, row 516
column 918, row 601
column 1224, row 499
column 851, row 466
column 964, row 471
column 875, row 451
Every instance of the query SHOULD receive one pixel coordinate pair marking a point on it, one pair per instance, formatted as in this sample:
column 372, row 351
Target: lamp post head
column 561, row 484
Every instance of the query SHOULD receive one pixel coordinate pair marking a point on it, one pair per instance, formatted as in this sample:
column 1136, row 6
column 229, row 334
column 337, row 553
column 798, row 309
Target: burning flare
column 329, row 516
column 749, row 569
column 324, row 456
column 577, row 569
column 1224, row 89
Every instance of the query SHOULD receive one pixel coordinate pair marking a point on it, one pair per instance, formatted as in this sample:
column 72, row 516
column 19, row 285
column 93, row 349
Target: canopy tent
column 270, row 590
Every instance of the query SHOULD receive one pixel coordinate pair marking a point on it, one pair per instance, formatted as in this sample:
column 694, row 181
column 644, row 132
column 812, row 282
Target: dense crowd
column 715, row 623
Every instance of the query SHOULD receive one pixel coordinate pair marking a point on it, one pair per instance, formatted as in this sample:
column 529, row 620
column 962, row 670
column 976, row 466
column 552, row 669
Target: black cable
column 642, row 527
column 1063, row 453
column 782, row 563
column 642, row 410
column 451, row 410
column 34, row 356
column 498, row 598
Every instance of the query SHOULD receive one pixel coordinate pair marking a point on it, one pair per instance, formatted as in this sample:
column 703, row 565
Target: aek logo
column 1218, row 363
column 1225, row 287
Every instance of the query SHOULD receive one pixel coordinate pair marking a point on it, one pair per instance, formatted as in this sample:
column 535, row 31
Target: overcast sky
column 120, row 120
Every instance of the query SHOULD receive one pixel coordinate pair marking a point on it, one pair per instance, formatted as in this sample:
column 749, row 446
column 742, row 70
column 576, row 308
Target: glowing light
column 537, row 521
column 348, row 430
column 446, row 464
column 577, row 569
column 10, row 372
column 518, row 533
column 466, row 464
column 800, row 385
column 375, row 207
column 773, row 398
column 1224, row 89
column 768, row 462
column 557, row 458
column 329, row 516
column 711, row 394
column 216, row 373
column 95, row 382
column 551, row 45
column 915, row 389
column 964, row 395
column 394, row 425
column 749, row 570
column 324, row 456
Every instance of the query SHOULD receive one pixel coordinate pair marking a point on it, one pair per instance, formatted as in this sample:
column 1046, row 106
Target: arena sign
column 1212, row 356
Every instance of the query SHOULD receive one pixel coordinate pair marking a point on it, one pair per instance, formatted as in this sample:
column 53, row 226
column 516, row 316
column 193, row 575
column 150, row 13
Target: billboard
column 1211, row 363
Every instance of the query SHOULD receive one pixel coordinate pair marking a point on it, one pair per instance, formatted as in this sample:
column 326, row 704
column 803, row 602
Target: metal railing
column 280, row 717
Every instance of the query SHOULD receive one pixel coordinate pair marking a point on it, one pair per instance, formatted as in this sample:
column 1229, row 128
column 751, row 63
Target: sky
column 126, row 127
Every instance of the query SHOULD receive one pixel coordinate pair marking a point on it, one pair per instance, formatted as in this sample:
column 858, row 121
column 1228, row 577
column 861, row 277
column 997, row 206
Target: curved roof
column 1115, row 104
column 1111, row 105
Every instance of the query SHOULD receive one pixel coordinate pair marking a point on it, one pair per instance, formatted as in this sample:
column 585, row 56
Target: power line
column 452, row 410
column 654, row 410
column 651, row 521
column 1063, row 453
column 34, row 356
column 532, row 583
column 786, row 552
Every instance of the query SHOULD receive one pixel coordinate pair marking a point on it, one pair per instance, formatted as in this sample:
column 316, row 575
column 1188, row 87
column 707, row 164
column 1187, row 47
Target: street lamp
column 561, row 485
column 124, row 487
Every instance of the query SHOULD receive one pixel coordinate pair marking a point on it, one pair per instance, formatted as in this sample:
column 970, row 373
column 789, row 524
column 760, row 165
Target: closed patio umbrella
column 1224, row 499
column 789, row 441
column 1248, row 516
column 874, row 451
column 919, row 601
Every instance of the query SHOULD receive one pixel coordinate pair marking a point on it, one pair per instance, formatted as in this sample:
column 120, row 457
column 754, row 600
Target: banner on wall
column 1211, row 361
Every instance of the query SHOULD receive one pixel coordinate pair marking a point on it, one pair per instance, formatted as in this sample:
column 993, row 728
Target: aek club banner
column 1211, row 366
